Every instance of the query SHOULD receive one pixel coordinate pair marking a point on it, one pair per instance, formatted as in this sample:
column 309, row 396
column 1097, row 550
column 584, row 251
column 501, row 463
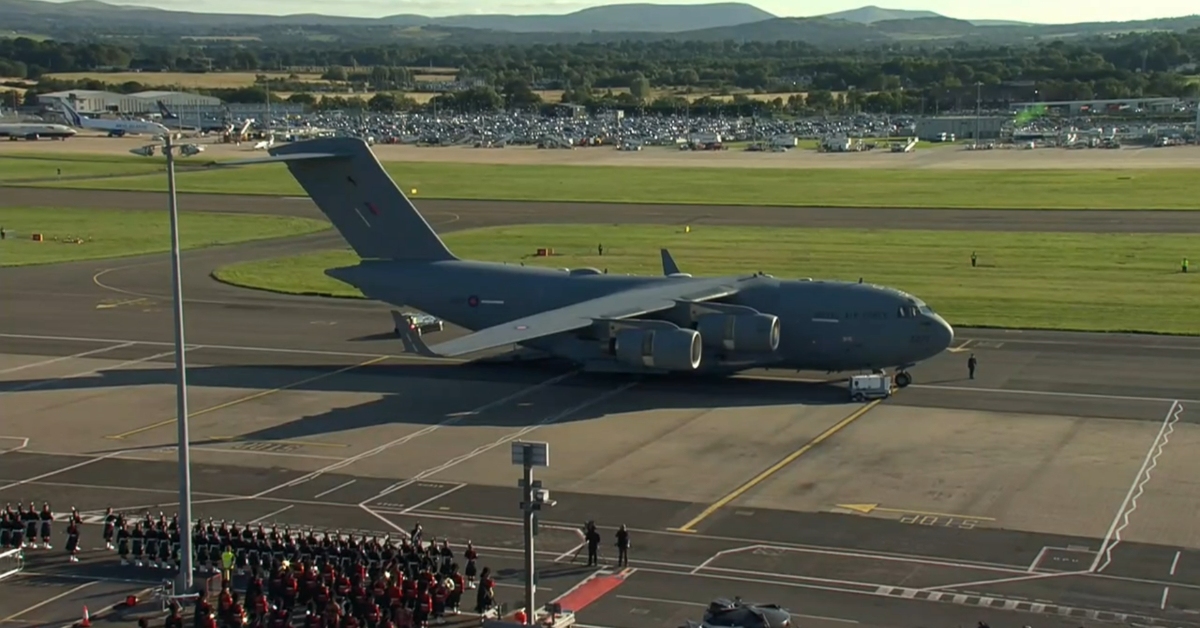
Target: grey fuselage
column 824, row 325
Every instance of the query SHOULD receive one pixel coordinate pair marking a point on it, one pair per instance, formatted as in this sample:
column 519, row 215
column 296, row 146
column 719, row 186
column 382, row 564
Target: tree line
column 660, row 75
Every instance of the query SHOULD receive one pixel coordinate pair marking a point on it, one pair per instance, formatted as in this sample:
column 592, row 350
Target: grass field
column 30, row 167
column 203, row 80
column 1024, row 280
column 106, row 234
column 1007, row 189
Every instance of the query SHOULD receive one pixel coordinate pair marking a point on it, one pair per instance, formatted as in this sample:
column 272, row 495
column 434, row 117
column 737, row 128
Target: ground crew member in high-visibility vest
column 227, row 564
column 1185, row 264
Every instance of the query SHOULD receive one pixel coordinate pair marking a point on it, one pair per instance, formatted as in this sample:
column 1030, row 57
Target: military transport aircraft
column 603, row 322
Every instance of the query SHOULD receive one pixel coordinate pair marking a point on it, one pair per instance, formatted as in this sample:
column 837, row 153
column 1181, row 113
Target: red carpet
column 589, row 591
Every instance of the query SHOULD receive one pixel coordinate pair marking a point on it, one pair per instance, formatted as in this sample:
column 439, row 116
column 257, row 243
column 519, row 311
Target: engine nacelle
column 756, row 333
column 669, row 349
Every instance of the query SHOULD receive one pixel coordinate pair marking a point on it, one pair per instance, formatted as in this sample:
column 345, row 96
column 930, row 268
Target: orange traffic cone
column 87, row 620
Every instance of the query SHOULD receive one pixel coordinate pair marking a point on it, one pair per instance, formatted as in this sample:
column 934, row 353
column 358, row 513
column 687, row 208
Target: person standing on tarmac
column 971, row 364
column 623, row 546
column 227, row 564
column 110, row 528
column 31, row 526
column 47, row 518
column 73, row 540
column 592, row 538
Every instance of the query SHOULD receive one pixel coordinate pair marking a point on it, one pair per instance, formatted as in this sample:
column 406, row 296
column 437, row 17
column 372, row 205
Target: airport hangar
column 184, row 103
column 952, row 502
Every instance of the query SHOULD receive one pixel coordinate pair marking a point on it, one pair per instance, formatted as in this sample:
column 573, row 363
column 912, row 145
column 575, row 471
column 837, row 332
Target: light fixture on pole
column 534, row 497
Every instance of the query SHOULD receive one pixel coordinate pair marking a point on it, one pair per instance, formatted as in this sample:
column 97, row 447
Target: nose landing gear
column 903, row 379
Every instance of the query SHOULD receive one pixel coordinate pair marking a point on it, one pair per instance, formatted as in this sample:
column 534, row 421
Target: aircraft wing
column 626, row 304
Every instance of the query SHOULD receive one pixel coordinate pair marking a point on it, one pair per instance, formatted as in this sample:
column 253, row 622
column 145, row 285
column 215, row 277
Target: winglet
column 411, row 336
column 669, row 265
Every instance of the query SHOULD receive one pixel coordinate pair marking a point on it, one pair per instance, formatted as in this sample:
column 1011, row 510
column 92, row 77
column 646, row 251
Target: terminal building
column 961, row 127
column 1101, row 107
column 96, row 101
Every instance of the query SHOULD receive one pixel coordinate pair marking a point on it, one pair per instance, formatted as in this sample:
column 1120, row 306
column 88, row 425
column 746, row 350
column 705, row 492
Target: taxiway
column 1052, row 484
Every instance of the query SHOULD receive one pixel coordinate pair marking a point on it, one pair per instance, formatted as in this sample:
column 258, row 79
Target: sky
column 1038, row 11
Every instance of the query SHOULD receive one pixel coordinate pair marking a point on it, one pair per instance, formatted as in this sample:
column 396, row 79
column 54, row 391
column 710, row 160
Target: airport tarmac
column 1068, row 451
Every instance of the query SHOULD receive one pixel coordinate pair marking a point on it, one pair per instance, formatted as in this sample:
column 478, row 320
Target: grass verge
column 1095, row 282
column 1057, row 189
column 82, row 234
column 22, row 167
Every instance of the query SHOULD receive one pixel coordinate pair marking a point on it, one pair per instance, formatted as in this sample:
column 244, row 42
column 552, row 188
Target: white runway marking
column 47, row 601
column 62, row 470
column 155, row 343
column 341, row 464
column 66, row 357
column 1050, row 393
column 46, row 382
column 22, row 444
column 1121, row 520
column 415, row 358
column 431, row 499
column 504, row 440
column 699, row 605
column 271, row 514
column 1175, row 563
column 339, row 486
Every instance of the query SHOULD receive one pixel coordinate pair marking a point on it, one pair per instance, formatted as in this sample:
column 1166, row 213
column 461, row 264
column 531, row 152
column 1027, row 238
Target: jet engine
column 669, row 349
column 758, row 333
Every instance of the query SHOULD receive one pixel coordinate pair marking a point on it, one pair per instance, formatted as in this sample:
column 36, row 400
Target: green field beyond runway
column 83, row 234
column 991, row 189
column 20, row 167
column 1097, row 282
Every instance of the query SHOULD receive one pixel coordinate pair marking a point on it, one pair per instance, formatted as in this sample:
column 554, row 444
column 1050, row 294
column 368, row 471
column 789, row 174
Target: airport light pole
column 527, row 456
column 978, row 109
column 186, row 567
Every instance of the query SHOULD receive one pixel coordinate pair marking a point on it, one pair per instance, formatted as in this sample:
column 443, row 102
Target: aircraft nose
column 945, row 332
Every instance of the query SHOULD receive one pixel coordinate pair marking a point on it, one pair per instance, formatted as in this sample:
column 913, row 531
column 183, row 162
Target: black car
column 725, row 613
column 421, row 323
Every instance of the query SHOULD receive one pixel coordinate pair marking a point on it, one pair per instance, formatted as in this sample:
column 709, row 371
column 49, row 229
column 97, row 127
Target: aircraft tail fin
column 166, row 113
column 73, row 117
column 668, row 264
column 349, row 185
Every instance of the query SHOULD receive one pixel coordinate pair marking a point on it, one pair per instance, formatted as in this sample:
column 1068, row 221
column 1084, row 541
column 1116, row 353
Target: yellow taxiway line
column 689, row 527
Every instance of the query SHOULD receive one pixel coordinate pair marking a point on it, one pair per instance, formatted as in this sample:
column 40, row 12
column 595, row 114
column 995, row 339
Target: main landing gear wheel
column 903, row 379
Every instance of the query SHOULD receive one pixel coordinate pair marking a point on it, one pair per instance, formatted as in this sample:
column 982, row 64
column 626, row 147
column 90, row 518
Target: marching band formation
column 309, row 578
column 19, row 529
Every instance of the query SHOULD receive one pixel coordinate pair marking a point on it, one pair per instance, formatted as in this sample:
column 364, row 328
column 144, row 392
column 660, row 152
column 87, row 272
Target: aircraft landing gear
column 903, row 379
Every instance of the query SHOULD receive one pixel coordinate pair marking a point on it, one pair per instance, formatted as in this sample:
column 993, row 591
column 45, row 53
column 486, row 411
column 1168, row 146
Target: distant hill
column 866, row 26
column 872, row 14
column 628, row 18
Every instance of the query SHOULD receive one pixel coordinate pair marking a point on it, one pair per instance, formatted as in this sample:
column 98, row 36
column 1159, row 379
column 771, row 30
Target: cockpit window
column 907, row 311
column 926, row 310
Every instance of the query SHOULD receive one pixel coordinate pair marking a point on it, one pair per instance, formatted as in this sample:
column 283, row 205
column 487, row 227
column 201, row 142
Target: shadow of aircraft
column 429, row 394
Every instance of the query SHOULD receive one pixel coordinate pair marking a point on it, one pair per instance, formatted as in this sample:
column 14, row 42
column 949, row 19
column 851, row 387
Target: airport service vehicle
column 723, row 613
column 420, row 323
column 875, row 386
